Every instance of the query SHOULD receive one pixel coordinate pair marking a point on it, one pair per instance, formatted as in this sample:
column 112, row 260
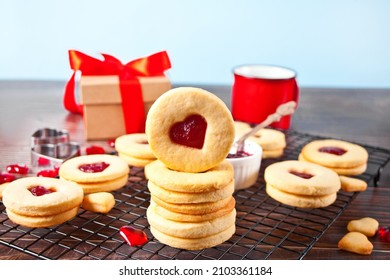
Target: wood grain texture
column 358, row 115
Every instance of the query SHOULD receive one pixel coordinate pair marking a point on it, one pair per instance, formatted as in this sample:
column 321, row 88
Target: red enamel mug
column 259, row 89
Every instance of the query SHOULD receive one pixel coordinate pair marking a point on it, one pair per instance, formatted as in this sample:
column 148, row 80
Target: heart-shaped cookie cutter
column 51, row 147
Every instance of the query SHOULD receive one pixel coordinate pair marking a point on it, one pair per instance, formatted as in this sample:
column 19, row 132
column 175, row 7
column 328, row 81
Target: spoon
column 284, row 109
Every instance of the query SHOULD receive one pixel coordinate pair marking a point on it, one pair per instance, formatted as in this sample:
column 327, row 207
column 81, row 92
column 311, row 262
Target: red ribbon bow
column 131, row 93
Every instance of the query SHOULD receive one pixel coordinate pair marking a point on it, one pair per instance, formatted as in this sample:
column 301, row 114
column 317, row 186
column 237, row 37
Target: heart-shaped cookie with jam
column 189, row 129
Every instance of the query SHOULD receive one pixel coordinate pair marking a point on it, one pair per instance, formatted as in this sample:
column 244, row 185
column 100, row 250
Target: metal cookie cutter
column 51, row 147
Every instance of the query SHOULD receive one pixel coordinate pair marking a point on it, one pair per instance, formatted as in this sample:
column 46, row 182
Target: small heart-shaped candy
column 356, row 242
column 368, row 226
column 132, row 236
column 190, row 132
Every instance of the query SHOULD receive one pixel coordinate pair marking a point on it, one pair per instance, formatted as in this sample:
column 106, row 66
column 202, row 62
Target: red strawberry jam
column 17, row 169
column 40, row 190
column 332, row 150
column 94, row 167
column 6, row 178
column 301, row 174
column 190, row 132
column 239, row 154
column 133, row 237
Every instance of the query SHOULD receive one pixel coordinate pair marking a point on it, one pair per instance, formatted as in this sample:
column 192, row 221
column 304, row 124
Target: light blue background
column 330, row 43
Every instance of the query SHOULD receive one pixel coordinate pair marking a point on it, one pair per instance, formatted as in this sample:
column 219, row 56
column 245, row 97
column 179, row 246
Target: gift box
column 102, row 103
column 114, row 97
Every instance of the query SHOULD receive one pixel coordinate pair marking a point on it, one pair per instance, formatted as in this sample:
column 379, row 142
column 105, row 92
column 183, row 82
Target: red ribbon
column 130, row 87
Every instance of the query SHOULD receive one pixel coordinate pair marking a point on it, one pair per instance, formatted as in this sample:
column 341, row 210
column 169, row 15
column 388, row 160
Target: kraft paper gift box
column 102, row 103
column 115, row 97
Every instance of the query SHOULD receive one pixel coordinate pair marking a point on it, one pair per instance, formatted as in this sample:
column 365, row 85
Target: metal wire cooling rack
column 265, row 229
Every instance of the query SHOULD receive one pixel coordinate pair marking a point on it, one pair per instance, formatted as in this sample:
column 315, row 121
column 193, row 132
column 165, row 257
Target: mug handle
column 296, row 91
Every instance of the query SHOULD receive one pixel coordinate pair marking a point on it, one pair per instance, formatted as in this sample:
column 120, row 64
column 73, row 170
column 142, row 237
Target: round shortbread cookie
column 175, row 216
column 134, row 161
column 284, row 176
column 357, row 170
column 213, row 179
column 190, row 129
column 194, row 208
column 272, row 153
column 104, row 186
column 42, row 221
column 269, row 139
column 300, row 201
column 340, row 154
column 190, row 229
column 116, row 168
column 18, row 198
column 187, row 197
column 135, row 145
column 194, row 243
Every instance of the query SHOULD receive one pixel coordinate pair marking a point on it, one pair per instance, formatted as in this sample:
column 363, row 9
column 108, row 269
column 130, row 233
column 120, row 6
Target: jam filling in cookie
column 332, row 150
column 190, row 132
column 94, row 167
column 40, row 190
column 303, row 175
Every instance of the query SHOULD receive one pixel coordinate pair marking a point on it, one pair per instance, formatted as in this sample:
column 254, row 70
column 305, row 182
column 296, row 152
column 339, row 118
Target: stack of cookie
column 191, row 184
column 38, row 202
column 345, row 158
column 301, row 184
column 134, row 149
column 272, row 141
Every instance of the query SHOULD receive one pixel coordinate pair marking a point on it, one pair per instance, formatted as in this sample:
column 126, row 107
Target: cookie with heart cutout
column 189, row 129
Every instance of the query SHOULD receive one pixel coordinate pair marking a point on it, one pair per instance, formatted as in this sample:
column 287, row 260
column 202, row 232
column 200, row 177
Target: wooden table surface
column 358, row 115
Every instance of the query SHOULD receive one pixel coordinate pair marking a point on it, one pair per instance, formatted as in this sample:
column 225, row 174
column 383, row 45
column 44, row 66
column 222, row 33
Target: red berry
column 94, row 150
column 133, row 237
column 43, row 161
column 6, row 178
column 17, row 169
column 384, row 233
column 111, row 143
column 51, row 173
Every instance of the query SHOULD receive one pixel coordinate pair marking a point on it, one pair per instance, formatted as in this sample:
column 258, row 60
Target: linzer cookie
column 134, row 149
column 301, row 184
column 343, row 157
column 190, row 129
column 41, row 202
column 191, row 183
column 272, row 141
column 96, row 173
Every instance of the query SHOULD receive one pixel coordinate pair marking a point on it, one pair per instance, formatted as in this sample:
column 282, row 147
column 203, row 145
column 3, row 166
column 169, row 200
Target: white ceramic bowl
column 246, row 169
